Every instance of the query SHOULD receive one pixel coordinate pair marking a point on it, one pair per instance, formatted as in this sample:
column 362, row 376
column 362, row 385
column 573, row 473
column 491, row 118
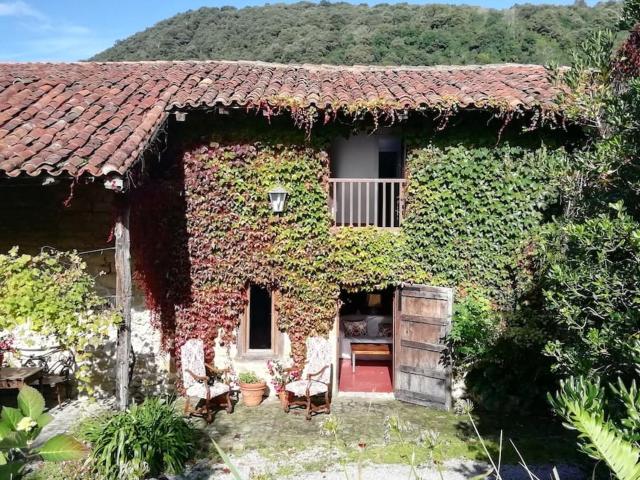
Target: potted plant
column 6, row 346
column 280, row 377
column 252, row 388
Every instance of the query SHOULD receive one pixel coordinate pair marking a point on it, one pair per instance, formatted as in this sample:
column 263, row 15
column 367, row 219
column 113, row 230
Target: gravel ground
column 253, row 465
column 248, row 431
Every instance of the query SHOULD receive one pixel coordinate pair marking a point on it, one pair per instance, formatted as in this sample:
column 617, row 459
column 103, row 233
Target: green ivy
column 469, row 210
column 370, row 258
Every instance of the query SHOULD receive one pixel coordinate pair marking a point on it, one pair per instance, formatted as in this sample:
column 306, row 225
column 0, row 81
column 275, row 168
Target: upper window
column 367, row 181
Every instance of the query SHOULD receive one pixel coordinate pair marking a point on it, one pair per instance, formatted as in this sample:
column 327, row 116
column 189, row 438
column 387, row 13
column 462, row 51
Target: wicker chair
column 201, row 382
column 316, row 380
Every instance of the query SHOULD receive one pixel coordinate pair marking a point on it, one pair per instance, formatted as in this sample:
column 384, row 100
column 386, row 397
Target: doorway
column 389, row 166
column 366, row 341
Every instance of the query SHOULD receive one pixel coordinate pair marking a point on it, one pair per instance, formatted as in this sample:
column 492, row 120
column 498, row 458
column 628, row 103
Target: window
column 259, row 335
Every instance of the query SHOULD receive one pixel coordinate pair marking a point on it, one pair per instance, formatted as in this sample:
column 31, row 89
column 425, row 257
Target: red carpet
column 370, row 376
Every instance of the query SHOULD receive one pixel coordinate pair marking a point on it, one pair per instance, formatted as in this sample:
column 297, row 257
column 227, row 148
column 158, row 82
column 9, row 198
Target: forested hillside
column 341, row 33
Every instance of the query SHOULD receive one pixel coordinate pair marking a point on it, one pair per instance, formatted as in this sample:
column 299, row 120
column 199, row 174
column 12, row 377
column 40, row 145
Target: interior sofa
column 378, row 330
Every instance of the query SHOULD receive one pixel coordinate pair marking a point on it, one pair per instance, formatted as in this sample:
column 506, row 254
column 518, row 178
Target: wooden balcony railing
column 358, row 202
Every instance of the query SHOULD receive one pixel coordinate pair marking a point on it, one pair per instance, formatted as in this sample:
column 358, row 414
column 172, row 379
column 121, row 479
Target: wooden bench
column 369, row 349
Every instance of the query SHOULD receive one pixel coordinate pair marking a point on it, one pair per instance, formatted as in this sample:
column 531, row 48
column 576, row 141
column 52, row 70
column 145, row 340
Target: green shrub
column 249, row 377
column 513, row 375
column 52, row 293
column 583, row 405
column 589, row 280
column 148, row 439
column 474, row 329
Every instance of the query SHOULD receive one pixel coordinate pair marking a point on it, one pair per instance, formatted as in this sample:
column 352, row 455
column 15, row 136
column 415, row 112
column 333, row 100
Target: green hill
column 342, row 33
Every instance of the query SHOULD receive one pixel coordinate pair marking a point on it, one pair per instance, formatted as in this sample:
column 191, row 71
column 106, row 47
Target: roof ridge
column 306, row 66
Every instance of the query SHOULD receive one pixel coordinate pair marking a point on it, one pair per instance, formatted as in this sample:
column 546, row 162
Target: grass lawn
column 278, row 436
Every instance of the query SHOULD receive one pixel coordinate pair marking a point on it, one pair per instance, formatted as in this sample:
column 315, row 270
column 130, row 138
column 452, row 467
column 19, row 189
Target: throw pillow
column 356, row 328
column 385, row 330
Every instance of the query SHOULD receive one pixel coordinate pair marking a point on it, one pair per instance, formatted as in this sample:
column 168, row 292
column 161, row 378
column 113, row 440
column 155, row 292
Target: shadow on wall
column 150, row 375
column 159, row 242
column 33, row 217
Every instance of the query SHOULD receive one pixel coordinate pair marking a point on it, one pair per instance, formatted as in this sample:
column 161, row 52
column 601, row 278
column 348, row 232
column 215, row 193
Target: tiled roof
column 94, row 118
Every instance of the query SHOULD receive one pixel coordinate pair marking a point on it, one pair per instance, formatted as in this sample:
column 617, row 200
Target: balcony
column 360, row 202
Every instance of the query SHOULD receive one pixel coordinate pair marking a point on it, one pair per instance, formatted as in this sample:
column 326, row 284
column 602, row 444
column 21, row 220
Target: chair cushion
column 192, row 359
column 199, row 390
column 299, row 387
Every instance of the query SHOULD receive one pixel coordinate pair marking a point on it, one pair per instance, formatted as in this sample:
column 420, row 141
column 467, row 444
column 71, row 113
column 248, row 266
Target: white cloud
column 47, row 39
column 19, row 9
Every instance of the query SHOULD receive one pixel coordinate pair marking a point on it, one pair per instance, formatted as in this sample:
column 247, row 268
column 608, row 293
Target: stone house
column 92, row 149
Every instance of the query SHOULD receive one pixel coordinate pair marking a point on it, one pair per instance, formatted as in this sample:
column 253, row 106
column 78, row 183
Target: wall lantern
column 278, row 197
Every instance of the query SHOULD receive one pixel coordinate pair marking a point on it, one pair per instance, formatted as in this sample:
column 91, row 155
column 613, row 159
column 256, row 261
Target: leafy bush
column 19, row 427
column 148, row 439
column 53, row 294
column 513, row 375
column 474, row 329
column 589, row 280
column 249, row 377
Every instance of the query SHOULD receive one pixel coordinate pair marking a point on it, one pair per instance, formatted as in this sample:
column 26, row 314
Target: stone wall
column 33, row 217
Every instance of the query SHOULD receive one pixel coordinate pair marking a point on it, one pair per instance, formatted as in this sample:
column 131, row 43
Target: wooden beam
column 123, row 302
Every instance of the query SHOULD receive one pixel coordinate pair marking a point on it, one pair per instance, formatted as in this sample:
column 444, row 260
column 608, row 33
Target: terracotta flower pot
column 252, row 393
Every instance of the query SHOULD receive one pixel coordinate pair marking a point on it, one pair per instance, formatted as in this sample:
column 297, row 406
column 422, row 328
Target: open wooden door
column 422, row 320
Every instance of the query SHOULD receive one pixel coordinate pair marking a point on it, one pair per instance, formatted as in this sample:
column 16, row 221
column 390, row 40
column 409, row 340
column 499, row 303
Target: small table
column 371, row 349
column 17, row 377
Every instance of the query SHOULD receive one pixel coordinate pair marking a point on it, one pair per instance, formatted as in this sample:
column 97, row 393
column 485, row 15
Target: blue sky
column 68, row 30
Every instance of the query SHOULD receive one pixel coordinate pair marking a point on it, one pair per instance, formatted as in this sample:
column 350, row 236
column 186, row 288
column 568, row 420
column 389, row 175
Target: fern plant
column 582, row 404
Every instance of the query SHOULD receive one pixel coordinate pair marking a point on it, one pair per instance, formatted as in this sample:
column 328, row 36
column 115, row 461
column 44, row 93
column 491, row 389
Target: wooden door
column 421, row 322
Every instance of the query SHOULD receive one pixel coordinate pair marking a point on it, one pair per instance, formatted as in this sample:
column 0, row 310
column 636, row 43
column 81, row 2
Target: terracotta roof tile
column 95, row 118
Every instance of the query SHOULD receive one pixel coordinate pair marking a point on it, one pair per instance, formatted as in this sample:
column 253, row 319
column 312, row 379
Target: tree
column 340, row 33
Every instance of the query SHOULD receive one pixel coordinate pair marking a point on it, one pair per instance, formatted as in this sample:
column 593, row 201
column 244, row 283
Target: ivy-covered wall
column 204, row 227
column 469, row 210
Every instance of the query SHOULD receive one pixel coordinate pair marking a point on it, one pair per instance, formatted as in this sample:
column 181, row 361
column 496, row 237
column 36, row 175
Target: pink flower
column 6, row 343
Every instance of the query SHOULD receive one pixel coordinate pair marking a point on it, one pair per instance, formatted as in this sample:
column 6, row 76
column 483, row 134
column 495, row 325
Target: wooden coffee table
column 369, row 349
column 17, row 377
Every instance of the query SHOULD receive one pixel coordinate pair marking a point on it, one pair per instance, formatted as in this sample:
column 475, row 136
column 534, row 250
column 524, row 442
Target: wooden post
column 123, row 303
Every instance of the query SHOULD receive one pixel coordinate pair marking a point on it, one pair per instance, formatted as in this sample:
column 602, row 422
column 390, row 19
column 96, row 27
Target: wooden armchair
column 316, row 380
column 200, row 382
